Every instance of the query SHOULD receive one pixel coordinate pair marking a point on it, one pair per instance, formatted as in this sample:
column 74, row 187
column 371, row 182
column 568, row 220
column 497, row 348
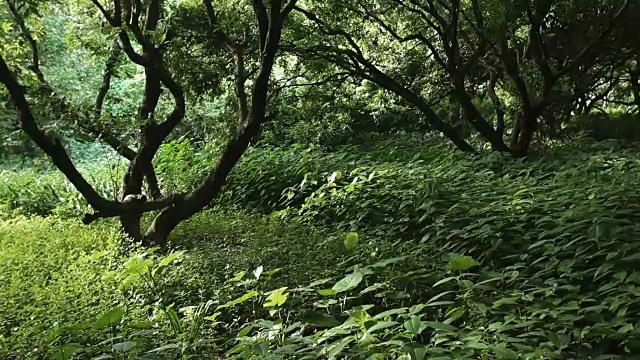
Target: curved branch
column 52, row 147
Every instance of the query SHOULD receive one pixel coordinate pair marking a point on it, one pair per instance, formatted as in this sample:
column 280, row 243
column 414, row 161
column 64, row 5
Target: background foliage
column 352, row 227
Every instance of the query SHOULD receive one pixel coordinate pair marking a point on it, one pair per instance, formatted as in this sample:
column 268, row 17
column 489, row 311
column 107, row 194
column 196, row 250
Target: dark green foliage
column 428, row 253
column 609, row 126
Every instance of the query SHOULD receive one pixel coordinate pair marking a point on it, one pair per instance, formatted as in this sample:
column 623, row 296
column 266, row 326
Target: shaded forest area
column 299, row 179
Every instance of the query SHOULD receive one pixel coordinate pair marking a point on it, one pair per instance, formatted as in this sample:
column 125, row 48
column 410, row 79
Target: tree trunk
column 141, row 164
column 497, row 104
column 515, row 133
column 473, row 115
column 635, row 88
column 270, row 30
column 527, row 129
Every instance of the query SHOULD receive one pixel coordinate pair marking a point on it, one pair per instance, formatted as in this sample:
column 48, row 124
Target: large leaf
column 164, row 348
column 461, row 262
column 559, row 340
column 166, row 261
column 320, row 319
column 387, row 262
column 382, row 325
column 504, row 353
column 349, row 282
column 241, row 299
column 351, row 241
column 418, row 353
column 413, row 325
column 327, row 292
column 66, row 352
column 171, row 257
column 124, row 346
column 111, row 318
column 440, row 326
column 276, row 298
column 390, row 312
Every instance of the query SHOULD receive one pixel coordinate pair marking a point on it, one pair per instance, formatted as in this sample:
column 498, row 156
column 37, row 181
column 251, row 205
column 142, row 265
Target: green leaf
column 137, row 266
column 559, row 340
column 320, row 320
column 327, row 292
column 141, row 325
column 418, row 353
column 382, row 325
column 241, row 299
column 417, row 308
column 625, row 328
column 371, row 288
column 276, row 298
column 66, row 352
column 164, row 348
column 390, row 312
column 213, row 317
column 245, row 330
column 413, row 325
column 504, row 353
column 168, row 259
column 349, row 282
column 455, row 314
column 351, row 241
column 440, row 326
column 474, row 344
column 319, row 282
column 433, row 301
column 461, row 262
column 124, row 346
column 334, row 349
column 387, row 262
column 111, row 318
column 174, row 320
column 238, row 276
column 445, row 280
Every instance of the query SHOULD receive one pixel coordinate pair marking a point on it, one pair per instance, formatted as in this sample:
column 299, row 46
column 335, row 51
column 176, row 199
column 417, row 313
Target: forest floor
column 402, row 250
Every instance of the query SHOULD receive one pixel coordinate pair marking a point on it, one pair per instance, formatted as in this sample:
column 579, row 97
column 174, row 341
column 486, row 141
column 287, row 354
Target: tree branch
column 53, row 148
column 263, row 22
column 331, row 31
column 581, row 58
column 119, row 146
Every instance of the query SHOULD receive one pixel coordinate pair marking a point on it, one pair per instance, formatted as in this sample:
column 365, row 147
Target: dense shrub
column 608, row 126
column 32, row 193
column 51, row 275
column 58, row 275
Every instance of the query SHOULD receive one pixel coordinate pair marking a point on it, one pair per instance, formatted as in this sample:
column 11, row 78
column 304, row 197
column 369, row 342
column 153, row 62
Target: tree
column 145, row 33
column 357, row 53
column 529, row 49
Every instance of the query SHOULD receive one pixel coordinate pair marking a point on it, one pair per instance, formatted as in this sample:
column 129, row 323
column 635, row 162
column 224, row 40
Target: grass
column 454, row 258
column 51, row 276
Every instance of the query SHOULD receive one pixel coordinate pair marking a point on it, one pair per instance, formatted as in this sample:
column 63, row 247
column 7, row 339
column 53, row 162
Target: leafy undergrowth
column 344, row 297
column 50, row 275
column 393, row 251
